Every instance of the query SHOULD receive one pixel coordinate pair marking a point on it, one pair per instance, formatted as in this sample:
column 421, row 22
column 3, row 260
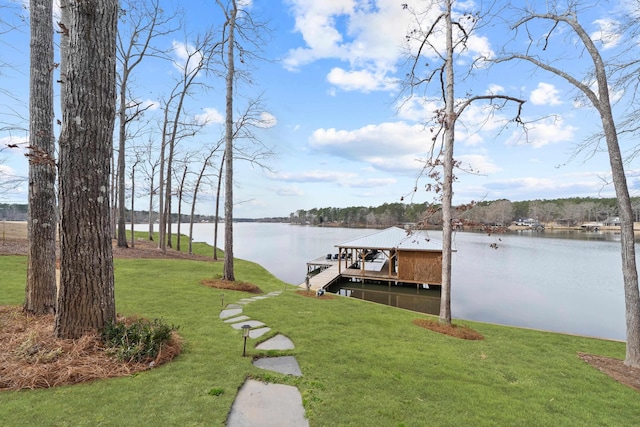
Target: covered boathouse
column 393, row 255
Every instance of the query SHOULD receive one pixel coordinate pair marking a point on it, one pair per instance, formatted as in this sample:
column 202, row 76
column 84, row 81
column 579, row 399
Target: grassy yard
column 363, row 364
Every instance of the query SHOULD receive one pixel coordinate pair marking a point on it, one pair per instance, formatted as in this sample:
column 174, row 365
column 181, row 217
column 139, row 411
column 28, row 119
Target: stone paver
column 252, row 323
column 279, row 342
column 267, row 405
column 230, row 312
column 287, row 365
column 236, row 319
column 256, row 333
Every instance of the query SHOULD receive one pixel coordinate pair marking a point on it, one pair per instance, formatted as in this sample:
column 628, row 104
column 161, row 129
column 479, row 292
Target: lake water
column 564, row 282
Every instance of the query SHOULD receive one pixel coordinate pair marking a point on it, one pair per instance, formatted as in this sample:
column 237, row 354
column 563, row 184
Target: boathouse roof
column 395, row 238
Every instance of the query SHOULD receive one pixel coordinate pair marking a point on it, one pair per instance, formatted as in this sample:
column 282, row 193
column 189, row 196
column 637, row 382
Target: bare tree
column 42, row 218
column 240, row 30
column 206, row 163
column 424, row 39
column 143, row 22
column 594, row 84
column 133, row 198
column 86, row 301
column 196, row 63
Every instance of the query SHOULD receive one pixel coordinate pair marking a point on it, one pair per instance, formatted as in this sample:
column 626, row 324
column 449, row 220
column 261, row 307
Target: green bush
column 139, row 341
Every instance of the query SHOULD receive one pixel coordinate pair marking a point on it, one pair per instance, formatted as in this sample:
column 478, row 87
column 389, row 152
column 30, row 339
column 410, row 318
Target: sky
column 339, row 119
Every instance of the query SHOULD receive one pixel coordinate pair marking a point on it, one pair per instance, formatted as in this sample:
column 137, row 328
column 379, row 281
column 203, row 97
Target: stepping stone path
column 258, row 403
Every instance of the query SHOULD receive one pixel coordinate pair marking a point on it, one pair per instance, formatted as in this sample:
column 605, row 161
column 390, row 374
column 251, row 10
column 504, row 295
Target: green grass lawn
column 363, row 364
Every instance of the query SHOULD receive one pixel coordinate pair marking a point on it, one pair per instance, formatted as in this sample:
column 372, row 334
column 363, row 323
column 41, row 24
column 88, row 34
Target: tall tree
column 42, row 218
column 86, row 300
column 196, row 60
column 142, row 22
column 594, row 84
column 424, row 41
column 241, row 30
column 231, row 12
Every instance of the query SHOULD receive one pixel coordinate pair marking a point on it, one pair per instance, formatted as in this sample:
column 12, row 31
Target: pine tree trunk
column 42, row 220
column 86, row 301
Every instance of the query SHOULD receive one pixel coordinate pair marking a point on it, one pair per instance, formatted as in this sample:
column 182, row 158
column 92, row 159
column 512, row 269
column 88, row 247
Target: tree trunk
column 133, row 211
column 449, row 121
column 122, row 141
column 86, row 301
column 41, row 270
column 180, row 194
column 161, row 211
column 151, row 192
column 228, row 193
column 627, row 237
column 217, row 215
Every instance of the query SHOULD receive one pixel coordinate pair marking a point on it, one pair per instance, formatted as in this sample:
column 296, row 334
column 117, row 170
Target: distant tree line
column 570, row 211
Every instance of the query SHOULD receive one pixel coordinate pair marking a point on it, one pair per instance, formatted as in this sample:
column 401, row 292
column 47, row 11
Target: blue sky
column 342, row 135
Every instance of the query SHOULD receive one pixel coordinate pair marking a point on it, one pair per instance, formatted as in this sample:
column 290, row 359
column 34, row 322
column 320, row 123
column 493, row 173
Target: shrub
column 139, row 341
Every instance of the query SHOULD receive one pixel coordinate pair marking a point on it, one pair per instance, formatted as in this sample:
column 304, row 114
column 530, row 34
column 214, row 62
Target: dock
column 326, row 277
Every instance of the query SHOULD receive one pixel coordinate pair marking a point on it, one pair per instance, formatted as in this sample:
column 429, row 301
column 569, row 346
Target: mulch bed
column 455, row 331
column 31, row 357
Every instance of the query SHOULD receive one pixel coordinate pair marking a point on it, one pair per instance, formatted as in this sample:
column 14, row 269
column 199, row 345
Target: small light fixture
column 245, row 334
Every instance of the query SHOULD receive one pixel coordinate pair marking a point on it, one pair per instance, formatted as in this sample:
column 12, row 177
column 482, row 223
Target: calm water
column 565, row 282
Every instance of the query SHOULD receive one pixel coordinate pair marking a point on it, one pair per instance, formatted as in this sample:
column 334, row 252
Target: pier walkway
column 324, row 278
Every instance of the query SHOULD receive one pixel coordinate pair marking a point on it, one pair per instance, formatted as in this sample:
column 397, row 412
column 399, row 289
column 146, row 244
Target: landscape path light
column 245, row 335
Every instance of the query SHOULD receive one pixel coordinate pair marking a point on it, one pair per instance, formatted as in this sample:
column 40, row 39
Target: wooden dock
column 324, row 278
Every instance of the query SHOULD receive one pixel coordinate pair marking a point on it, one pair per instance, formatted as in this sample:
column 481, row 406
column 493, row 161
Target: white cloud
column 387, row 140
column 267, row 120
column 545, row 94
column 608, row 33
column 187, row 59
column 288, row 191
column 549, row 131
column 313, row 176
column 209, row 116
column 495, row 89
column 477, row 163
column 365, row 34
column 363, row 80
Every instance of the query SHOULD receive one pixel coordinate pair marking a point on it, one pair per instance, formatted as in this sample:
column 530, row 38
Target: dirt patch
column 614, row 368
column 455, row 331
column 234, row 286
column 311, row 294
column 31, row 357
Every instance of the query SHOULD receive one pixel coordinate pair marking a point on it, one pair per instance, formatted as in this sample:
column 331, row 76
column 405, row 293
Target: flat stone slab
column 267, row 405
column 256, row 333
column 287, row 365
column 258, row 298
column 274, row 293
column 234, row 306
column 279, row 342
column 252, row 323
column 230, row 312
column 236, row 319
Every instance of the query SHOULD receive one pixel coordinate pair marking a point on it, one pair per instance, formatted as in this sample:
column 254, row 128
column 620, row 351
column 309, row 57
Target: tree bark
column 122, row 142
column 42, row 219
column 86, row 301
column 449, row 121
column 228, row 193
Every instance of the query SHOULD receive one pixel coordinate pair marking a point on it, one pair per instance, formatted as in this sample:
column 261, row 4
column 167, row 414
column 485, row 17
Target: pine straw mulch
column 31, row 357
column 234, row 286
column 455, row 331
